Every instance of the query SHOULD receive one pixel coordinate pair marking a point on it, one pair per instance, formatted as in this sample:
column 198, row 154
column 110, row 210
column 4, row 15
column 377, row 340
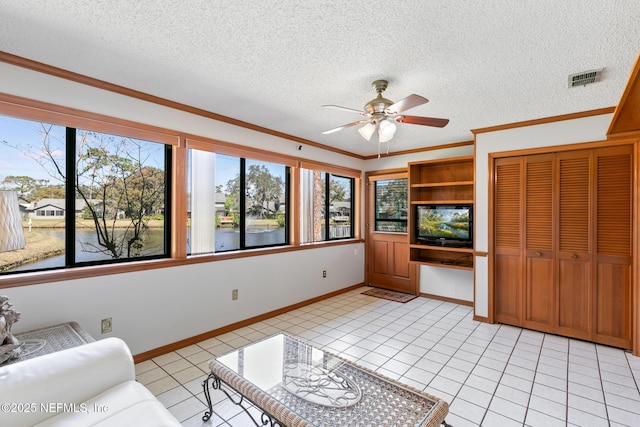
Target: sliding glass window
column 236, row 203
column 327, row 206
column 83, row 197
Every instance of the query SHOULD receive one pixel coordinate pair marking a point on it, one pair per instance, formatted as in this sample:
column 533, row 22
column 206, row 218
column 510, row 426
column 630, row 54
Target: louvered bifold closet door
column 613, row 248
column 508, row 240
column 574, row 254
column 539, row 299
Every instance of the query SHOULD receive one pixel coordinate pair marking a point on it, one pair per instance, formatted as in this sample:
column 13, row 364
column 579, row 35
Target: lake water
column 225, row 239
column 154, row 245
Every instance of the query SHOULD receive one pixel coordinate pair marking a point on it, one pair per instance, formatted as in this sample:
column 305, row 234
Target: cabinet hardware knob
column 538, row 253
column 574, row 256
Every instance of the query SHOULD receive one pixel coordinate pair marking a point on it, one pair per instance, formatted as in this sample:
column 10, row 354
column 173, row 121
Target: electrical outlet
column 324, row 273
column 234, row 294
column 106, row 325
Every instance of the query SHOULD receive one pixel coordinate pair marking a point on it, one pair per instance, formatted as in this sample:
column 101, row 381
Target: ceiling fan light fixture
column 367, row 130
column 386, row 130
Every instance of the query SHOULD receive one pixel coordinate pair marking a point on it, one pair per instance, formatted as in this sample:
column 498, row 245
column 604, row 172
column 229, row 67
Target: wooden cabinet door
column 612, row 299
column 539, row 298
column 574, row 253
column 508, row 240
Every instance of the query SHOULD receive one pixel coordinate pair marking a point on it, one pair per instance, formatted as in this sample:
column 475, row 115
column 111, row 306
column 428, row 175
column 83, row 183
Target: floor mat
column 390, row 295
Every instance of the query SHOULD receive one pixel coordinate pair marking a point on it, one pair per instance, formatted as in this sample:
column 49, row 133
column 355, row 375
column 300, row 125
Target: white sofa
column 93, row 384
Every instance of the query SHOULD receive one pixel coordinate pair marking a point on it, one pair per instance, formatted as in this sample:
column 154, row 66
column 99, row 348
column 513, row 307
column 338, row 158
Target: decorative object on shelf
column 9, row 345
column 11, row 232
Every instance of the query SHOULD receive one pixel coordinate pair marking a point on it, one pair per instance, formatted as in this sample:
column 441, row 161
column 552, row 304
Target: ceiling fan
column 381, row 115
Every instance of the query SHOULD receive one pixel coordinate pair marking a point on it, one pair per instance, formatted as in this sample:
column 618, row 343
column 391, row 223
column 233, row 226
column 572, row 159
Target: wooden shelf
column 441, row 248
column 442, row 184
column 459, row 258
column 442, row 202
column 444, row 264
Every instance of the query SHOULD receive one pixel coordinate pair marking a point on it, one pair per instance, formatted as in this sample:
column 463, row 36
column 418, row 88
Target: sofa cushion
column 85, row 385
column 127, row 404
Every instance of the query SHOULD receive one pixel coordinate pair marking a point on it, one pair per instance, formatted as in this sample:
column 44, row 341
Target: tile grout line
column 535, row 373
column 501, row 376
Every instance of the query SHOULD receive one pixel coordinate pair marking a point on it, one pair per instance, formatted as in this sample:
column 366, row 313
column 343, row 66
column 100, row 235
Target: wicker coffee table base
column 266, row 419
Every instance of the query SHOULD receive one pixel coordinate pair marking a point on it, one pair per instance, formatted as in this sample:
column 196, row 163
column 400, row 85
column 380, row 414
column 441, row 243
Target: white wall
column 544, row 135
column 446, row 282
column 401, row 161
column 157, row 307
column 153, row 308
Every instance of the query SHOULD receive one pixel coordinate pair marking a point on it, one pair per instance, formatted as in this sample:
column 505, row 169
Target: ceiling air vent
column 585, row 78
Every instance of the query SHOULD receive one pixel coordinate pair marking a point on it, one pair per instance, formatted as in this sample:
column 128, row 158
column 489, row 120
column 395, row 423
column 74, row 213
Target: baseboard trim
column 219, row 331
column 447, row 299
column 481, row 319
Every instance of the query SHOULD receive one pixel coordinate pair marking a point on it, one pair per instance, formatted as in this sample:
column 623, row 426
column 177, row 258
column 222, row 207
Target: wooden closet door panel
column 508, row 288
column 613, row 306
column 574, row 298
column 539, row 248
column 612, row 299
column 539, row 298
column 574, row 259
column 508, row 273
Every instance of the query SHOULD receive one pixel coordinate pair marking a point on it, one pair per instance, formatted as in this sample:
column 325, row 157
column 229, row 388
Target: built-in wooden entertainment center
column 440, row 182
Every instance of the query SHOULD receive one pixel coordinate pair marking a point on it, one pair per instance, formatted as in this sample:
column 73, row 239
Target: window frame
column 355, row 197
column 391, row 220
column 71, row 120
column 29, row 109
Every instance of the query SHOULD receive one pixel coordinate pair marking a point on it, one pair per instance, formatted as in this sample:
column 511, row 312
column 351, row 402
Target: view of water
column 154, row 244
column 226, row 239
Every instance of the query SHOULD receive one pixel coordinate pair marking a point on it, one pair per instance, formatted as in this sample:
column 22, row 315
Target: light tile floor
column 491, row 375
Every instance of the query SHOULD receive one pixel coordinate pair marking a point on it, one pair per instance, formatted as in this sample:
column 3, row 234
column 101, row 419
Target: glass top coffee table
column 295, row 384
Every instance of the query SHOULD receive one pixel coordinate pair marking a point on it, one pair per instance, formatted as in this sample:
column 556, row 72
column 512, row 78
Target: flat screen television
column 445, row 225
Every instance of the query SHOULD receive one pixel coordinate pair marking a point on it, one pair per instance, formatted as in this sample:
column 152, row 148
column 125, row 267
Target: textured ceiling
column 274, row 63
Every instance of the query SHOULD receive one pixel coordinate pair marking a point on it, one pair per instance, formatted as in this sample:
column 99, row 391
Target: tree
column 23, row 185
column 262, row 192
column 392, row 198
column 262, row 188
column 114, row 178
column 337, row 191
column 111, row 177
column 47, row 192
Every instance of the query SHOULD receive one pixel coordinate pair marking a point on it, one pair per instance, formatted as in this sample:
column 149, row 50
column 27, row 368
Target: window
column 236, row 203
column 120, row 197
column 95, row 190
column 327, row 206
column 391, row 199
column 85, row 197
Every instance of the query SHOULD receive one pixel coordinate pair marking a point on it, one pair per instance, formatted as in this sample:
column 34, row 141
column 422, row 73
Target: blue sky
column 16, row 162
column 18, row 132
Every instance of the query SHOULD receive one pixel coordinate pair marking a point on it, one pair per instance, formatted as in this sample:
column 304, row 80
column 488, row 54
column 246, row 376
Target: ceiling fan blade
column 424, row 121
column 353, row 110
column 404, row 104
column 327, row 132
